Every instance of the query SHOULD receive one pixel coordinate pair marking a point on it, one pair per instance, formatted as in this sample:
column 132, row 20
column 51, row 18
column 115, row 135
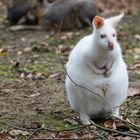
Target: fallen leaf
column 34, row 125
column 44, row 136
column 28, row 49
column 67, row 135
column 19, row 52
column 137, row 50
column 24, row 133
column 39, row 75
column 4, row 135
column 71, row 121
column 110, row 137
column 66, row 36
column 30, row 75
column 110, row 124
column 88, row 136
column 3, row 52
column 133, row 91
column 18, row 132
column 137, row 37
column 23, row 39
column 34, row 95
column 55, row 75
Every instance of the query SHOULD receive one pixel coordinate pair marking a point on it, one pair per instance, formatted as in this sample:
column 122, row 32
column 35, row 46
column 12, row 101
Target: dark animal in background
column 17, row 9
column 75, row 14
column 49, row 13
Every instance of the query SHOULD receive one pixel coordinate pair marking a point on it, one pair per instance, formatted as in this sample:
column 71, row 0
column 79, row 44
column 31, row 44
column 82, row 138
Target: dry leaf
column 137, row 50
column 4, row 135
column 88, row 137
column 110, row 124
column 28, row 49
column 110, row 137
column 133, row 91
column 66, row 36
column 55, row 75
column 30, row 75
column 18, row 132
column 67, row 135
column 34, row 95
column 137, row 37
column 23, row 39
column 71, row 121
column 19, row 52
column 34, row 125
column 3, row 52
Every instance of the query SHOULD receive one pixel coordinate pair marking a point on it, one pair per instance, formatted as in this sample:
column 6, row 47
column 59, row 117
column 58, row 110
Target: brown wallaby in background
column 18, row 9
column 75, row 13
column 49, row 13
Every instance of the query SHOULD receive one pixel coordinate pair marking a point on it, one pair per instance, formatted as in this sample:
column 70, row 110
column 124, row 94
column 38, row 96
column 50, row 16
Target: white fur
column 81, row 68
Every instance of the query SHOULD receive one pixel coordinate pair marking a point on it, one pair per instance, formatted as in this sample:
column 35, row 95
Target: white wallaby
column 97, row 64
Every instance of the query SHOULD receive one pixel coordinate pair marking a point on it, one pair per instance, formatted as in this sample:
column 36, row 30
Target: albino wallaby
column 96, row 63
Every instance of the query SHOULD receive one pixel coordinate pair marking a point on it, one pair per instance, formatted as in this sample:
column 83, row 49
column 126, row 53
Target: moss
column 54, row 122
column 38, row 68
column 134, row 76
column 129, row 60
column 6, row 71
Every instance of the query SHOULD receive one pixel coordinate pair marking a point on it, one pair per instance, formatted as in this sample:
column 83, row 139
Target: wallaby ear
column 98, row 21
column 114, row 20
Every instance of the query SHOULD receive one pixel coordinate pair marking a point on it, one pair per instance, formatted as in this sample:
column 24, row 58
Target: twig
column 70, row 129
column 20, row 128
column 115, row 131
column 129, row 123
column 99, row 135
column 34, row 133
column 44, row 128
column 74, row 129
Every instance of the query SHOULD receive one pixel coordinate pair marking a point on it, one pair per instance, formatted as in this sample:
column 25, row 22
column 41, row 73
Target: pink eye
column 113, row 35
column 102, row 35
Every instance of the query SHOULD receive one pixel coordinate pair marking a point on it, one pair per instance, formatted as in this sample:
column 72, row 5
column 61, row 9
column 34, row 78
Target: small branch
column 70, row 129
column 33, row 133
column 75, row 129
column 99, row 135
column 136, row 127
column 20, row 128
column 44, row 128
column 115, row 131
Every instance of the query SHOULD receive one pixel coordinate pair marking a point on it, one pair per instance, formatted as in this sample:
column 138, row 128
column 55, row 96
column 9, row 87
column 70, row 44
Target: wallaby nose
column 110, row 45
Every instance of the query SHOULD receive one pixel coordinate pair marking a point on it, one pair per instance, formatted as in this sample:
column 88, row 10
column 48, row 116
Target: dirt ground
column 32, row 79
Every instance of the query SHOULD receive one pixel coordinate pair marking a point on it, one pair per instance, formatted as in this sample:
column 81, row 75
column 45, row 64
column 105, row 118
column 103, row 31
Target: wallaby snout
column 110, row 45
